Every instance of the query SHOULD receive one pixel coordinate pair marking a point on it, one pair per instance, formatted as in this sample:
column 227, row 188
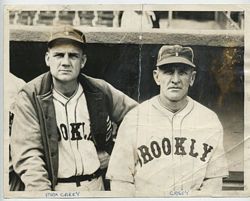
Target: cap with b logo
column 170, row 54
column 66, row 33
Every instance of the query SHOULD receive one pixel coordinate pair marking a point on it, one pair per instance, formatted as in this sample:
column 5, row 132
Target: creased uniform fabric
column 12, row 90
column 35, row 135
column 77, row 153
column 168, row 151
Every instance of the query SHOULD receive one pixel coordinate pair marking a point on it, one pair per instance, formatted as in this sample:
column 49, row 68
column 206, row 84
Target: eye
column 183, row 72
column 58, row 55
column 74, row 55
column 168, row 71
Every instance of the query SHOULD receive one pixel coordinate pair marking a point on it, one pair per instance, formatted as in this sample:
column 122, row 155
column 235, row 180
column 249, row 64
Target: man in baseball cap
column 66, row 33
column 175, row 73
column 175, row 144
column 169, row 54
column 62, row 130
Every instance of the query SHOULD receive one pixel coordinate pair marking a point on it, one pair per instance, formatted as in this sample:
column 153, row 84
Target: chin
column 65, row 78
column 176, row 98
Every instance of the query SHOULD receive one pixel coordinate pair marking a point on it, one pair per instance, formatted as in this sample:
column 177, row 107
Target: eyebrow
column 70, row 53
column 172, row 69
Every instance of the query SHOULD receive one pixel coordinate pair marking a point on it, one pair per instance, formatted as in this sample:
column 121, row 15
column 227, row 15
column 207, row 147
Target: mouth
column 174, row 88
column 65, row 71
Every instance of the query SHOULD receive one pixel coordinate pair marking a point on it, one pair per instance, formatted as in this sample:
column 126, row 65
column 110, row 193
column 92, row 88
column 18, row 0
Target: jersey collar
column 181, row 113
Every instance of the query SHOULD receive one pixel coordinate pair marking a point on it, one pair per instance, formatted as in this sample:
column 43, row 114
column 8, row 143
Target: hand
column 104, row 159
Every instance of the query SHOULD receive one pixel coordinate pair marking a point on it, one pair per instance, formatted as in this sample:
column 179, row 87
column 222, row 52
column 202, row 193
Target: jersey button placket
column 176, row 124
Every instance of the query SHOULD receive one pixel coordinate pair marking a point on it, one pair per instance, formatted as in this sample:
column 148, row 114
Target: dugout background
column 219, row 84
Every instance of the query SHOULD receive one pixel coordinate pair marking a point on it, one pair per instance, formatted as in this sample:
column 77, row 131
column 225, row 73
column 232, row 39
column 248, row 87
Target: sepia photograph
column 125, row 101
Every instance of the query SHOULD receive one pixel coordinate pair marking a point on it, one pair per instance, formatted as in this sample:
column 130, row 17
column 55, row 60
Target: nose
column 65, row 60
column 175, row 77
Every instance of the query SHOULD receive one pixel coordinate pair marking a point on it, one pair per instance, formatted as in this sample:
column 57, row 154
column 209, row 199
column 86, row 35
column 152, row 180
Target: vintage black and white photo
column 125, row 100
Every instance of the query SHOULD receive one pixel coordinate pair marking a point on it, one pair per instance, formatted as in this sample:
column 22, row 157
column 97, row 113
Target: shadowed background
column 219, row 84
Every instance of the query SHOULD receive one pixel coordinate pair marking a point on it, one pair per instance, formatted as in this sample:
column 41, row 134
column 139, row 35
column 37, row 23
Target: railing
column 76, row 18
column 107, row 18
column 225, row 20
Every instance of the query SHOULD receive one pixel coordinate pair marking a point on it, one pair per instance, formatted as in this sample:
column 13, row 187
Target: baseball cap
column 169, row 54
column 66, row 33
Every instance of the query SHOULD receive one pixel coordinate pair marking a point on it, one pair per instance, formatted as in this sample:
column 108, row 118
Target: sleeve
column 217, row 165
column 26, row 146
column 120, row 105
column 124, row 157
column 13, row 89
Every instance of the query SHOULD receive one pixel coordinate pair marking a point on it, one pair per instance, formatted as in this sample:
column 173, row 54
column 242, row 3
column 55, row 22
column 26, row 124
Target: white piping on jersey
column 171, row 115
column 109, row 131
column 109, row 123
column 64, row 100
column 180, row 136
column 172, row 147
column 70, row 140
column 171, row 112
column 77, row 143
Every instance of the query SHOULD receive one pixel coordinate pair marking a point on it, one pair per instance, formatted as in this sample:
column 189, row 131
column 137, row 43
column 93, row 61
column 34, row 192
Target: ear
column 156, row 76
column 84, row 60
column 47, row 59
column 192, row 78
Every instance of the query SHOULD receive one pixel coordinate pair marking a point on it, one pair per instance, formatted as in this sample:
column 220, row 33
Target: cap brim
column 172, row 60
column 63, row 39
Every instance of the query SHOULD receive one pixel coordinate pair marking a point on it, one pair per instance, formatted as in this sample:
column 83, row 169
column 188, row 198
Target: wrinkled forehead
column 66, row 45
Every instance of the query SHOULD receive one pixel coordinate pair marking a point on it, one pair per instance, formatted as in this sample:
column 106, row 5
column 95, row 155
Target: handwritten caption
column 179, row 193
column 62, row 194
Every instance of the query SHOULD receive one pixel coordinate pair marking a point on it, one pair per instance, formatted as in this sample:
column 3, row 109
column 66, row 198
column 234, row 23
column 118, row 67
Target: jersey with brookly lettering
column 77, row 153
column 160, row 151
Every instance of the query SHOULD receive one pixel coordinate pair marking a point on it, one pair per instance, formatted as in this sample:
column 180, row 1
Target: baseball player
column 12, row 91
column 175, row 144
column 62, row 131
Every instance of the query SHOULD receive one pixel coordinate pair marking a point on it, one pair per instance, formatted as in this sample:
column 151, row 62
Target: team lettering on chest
column 178, row 147
column 75, row 132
